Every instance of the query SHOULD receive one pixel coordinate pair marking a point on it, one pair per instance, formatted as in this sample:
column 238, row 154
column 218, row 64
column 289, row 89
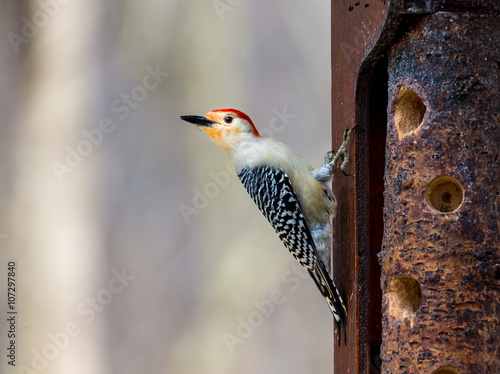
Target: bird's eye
column 228, row 119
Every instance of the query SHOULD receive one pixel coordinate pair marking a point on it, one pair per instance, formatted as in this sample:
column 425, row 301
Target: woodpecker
column 296, row 199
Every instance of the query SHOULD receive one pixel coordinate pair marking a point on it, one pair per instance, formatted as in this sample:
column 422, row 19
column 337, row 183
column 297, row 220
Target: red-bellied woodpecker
column 296, row 199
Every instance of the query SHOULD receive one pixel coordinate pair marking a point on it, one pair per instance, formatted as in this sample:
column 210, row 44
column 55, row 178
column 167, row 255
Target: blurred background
column 136, row 248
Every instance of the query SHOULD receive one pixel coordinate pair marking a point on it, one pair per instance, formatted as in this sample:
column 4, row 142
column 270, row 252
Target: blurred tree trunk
column 49, row 223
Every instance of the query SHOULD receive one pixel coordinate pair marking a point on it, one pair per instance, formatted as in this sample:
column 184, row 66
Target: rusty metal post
column 368, row 39
column 356, row 30
column 440, row 259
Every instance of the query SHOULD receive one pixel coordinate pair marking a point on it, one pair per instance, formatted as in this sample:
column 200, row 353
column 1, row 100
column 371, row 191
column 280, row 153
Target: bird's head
column 227, row 127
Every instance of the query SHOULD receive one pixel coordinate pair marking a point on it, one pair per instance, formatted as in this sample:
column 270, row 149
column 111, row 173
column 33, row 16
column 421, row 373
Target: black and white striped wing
column 272, row 191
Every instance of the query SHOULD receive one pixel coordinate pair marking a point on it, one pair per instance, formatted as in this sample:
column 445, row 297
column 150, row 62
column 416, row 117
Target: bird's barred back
column 272, row 192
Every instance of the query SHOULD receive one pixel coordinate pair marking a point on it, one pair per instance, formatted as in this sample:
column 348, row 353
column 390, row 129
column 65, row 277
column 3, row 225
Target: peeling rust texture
column 451, row 61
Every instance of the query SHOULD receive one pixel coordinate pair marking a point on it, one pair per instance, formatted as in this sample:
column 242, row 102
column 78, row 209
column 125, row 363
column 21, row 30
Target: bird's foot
column 342, row 153
column 328, row 157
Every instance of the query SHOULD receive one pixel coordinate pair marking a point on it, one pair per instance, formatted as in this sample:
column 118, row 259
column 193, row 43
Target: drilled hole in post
column 409, row 111
column 405, row 297
column 446, row 370
column 444, row 194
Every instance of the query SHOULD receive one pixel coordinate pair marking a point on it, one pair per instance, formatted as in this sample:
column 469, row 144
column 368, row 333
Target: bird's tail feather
column 332, row 296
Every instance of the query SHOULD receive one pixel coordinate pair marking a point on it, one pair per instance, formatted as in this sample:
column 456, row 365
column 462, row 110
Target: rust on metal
column 356, row 30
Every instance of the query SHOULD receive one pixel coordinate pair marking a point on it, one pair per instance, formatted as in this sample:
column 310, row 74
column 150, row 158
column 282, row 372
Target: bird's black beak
column 198, row 120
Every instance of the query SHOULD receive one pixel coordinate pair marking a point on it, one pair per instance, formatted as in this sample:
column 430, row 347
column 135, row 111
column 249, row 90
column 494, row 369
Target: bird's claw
column 342, row 153
column 328, row 157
